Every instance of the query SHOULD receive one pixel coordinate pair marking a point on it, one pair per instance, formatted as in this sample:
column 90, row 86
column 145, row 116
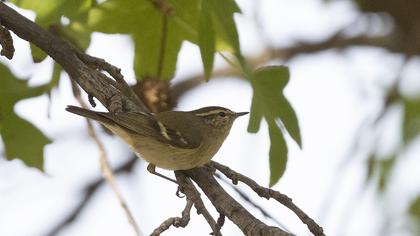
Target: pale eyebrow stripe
column 212, row 112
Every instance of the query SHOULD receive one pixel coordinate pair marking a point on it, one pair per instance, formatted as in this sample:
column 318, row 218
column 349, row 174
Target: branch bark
column 269, row 193
column 6, row 43
column 175, row 221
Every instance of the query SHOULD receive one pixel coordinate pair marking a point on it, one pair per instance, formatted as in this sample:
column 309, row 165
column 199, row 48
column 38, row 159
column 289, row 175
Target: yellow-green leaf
column 269, row 102
column 21, row 139
column 385, row 170
column 206, row 39
column 411, row 122
column 37, row 54
column 415, row 208
column 268, row 84
column 49, row 13
column 278, row 154
column 255, row 117
column 223, row 11
column 144, row 22
column 414, row 212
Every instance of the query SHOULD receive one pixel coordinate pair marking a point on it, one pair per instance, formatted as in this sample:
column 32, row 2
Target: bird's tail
column 98, row 116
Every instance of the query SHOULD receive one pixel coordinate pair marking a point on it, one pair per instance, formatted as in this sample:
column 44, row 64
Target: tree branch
column 229, row 207
column 6, row 43
column 247, row 199
column 175, row 221
column 336, row 41
column 188, row 188
column 269, row 193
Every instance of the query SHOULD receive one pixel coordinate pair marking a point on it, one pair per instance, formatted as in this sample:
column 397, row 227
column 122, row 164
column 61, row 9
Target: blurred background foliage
column 158, row 28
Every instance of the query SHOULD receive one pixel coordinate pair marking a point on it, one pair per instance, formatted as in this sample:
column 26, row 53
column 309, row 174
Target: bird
column 172, row 140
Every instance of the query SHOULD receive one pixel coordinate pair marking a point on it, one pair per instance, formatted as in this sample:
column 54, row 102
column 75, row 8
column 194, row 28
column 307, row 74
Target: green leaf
column 55, row 77
column 414, row 212
column 206, row 39
column 385, row 169
column 144, row 22
column 21, row 139
column 209, row 24
column 49, row 13
column 269, row 102
column 37, row 54
column 411, row 122
column 255, row 116
column 223, row 11
column 278, row 149
column 371, row 167
column 77, row 33
column 415, row 208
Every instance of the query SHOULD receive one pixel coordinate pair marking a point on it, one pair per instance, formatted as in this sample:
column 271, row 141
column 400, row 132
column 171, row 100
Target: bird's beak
column 238, row 114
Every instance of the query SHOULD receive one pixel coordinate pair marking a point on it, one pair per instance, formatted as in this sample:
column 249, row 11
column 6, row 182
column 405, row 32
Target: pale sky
column 324, row 90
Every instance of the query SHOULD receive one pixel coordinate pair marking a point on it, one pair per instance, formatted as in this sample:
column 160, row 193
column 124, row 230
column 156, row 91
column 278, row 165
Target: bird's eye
column 222, row 114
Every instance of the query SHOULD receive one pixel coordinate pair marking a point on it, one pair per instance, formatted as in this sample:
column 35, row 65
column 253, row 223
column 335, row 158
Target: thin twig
column 220, row 222
column 188, row 188
column 246, row 198
column 175, row 221
column 6, row 41
column 88, row 192
column 269, row 193
column 228, row 206
column 337, row 41
column 106, row 168
column 115, row 72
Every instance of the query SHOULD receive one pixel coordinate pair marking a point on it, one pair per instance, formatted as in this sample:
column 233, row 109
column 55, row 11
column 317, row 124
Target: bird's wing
column 152, row 127
column 163, row 130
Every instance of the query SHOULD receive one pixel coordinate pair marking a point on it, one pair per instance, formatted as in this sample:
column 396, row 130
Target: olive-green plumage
column 174, row 140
